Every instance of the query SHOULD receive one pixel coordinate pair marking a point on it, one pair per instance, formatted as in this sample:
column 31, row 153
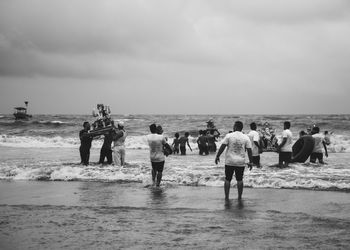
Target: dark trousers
column 212, row 147
column 203, row 149
column 106, row 152
column 84, row 155
column 183, row 150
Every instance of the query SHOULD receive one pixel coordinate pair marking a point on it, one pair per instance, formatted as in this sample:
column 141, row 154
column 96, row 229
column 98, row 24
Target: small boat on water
column 21, row 112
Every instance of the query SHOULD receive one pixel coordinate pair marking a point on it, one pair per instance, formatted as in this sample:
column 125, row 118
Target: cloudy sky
column 175, row 56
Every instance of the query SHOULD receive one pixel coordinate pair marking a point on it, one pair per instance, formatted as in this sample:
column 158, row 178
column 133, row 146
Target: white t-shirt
column 236, row 142
column 287, row 147
column 156, row 142
column 254, row 136
column 318, row 147
column 121, row 140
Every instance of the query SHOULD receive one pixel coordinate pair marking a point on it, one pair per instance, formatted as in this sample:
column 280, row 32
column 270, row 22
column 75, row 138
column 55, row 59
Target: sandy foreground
column 96, row 215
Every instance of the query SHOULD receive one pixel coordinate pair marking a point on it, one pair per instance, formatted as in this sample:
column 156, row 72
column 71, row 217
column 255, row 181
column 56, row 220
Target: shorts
column 285, row 157
column 315, row 156
column 158, row 166
column 256, row 160
column 229, row 170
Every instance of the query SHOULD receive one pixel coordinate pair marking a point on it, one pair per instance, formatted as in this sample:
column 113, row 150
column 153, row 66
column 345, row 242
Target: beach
column 94, row 215
column 49, row 201
column 94, row 95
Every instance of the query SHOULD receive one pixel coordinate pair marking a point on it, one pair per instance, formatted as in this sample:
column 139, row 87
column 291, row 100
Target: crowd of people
column 113, row 147
column 236, row 143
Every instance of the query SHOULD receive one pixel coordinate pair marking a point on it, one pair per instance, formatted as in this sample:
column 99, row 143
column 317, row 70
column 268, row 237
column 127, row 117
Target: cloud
column 261, row 47
column 75, row 37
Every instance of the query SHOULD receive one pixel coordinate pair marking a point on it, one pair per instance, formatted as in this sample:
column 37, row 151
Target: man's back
column 107, row 141
column 318, row 147
column 156, row 142
column 254, row 137
column 85, row 139
column 203, row 140
column 236, row 142
column 287, row 147
column 183, row 140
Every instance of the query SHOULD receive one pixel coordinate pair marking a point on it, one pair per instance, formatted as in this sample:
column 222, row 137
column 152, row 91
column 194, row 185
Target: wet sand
column 97, row 215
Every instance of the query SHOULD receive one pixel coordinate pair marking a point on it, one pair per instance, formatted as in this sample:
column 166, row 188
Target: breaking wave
column 340, row 144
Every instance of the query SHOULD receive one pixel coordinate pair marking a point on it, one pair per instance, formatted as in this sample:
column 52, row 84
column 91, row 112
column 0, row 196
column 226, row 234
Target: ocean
column 49, row 200
column 59, row 133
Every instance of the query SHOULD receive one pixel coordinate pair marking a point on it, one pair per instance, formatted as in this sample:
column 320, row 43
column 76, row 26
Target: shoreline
column 79, row 193
column 97, row 215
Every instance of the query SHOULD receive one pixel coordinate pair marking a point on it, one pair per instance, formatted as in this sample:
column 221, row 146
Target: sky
column 175, row 56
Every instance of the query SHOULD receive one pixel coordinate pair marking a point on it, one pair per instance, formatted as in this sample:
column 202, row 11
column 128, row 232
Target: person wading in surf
column 85, row 140
column 237, row 144
column 157, row 157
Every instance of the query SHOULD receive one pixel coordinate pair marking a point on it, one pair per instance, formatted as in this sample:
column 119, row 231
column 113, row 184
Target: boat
column 21, row 112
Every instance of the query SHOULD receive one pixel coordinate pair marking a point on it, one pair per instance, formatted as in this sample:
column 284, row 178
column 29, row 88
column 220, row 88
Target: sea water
column 47, row 148
column 49, row 201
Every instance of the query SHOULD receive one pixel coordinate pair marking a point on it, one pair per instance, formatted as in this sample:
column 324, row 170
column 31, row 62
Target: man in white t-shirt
column 237, row 143
column 285, row 148
column 119, row 145
column 156, row 143
column 255, row 141
column 320, row 143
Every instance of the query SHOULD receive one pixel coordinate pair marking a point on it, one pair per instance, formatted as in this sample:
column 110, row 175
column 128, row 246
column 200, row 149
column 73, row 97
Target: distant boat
column 21, row 112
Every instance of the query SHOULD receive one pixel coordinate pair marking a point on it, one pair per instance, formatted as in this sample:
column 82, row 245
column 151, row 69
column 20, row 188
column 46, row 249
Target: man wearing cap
column 119, row 145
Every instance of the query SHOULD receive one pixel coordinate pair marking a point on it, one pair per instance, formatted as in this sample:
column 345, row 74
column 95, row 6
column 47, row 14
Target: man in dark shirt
column 85, row 144
column 106, row 150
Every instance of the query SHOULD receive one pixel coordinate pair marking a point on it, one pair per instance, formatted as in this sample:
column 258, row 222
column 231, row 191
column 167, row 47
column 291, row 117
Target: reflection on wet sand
column 158, row 197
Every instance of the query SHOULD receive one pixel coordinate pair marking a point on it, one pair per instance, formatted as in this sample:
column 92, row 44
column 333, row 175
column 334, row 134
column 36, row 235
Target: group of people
column 113, row 147
column 179, row 143
column 321, row 143
column 236, row 143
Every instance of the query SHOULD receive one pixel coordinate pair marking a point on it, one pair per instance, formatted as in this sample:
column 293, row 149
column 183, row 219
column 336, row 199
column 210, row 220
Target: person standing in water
column 285, row 148
column 106, row 150
column 320, row 143
column 255, row 141
column 156, row 142
column 85, row 144
column 119, row 145
column 183, row 141
column 176, row 144
column 202, row 142
column 211, row 141
column 237, row 144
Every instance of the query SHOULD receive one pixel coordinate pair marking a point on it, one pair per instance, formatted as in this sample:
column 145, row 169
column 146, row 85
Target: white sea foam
column 339, row 143
column 53, row 122
column 296, row 177
column 132, row 142
column 37, row 141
